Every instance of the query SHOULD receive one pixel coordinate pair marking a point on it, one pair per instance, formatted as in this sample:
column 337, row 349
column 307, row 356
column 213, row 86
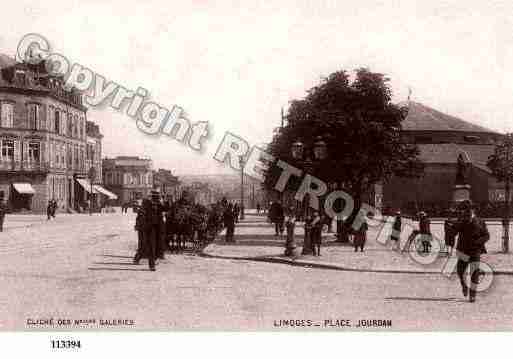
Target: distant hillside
column 228, row 185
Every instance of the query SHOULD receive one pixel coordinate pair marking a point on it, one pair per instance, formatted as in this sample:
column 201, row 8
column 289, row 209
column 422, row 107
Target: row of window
column 119, row 178
column 74, row 126
column 8, row 151
column 90, row 152
column 59, row 153
column 58, row 188
column 67, row 155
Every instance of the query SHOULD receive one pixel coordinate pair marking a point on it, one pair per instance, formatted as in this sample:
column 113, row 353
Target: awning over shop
column 23, row 188
column 104, row 191
column 86, row 184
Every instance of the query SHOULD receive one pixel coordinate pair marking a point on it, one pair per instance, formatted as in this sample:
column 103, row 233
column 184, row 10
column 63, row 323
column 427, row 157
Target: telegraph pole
column 505, row 239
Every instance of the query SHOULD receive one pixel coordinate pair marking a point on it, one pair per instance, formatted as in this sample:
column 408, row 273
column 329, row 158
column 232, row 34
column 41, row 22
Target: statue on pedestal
column 461, row 191
column 461, row 174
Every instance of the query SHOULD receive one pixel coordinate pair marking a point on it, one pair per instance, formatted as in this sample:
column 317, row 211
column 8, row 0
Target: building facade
column 130, row 178
column 42, row 138
column 441, row 138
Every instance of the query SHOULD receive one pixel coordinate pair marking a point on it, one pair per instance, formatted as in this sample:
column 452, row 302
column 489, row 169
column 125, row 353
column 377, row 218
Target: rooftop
column 20, row 76
column 424, row 118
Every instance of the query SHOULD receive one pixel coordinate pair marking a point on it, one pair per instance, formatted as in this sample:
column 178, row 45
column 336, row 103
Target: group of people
column 286, row 219
column 168, row 226
column 470, row 232
column 51, row 209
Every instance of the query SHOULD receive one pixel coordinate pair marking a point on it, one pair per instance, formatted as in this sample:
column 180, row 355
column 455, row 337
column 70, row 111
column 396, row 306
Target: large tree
column 501, row 165
column 361, row 127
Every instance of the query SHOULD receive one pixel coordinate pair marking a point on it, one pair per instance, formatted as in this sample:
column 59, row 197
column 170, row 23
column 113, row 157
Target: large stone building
column 129, row 177
column 42, row 139
column 441, row 138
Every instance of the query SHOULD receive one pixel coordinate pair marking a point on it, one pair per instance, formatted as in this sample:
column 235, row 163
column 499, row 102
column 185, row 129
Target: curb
column 307, row 264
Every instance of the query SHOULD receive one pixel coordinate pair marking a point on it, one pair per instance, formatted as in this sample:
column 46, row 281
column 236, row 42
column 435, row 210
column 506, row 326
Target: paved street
column 79, row 267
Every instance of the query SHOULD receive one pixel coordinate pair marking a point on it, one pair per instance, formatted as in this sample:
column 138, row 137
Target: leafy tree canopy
column 361, row 127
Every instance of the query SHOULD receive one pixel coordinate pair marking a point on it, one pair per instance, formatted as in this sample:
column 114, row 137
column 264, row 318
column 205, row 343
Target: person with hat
column 395, row 236
column 277, row 216
column 146, row 234
column 229, row 223
column 316, row 233
column 472, row 237
column 157, row 222
column 360, row 235
column 425, row 232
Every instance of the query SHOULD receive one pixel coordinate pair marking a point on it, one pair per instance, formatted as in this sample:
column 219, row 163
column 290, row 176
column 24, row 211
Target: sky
column 235, row 64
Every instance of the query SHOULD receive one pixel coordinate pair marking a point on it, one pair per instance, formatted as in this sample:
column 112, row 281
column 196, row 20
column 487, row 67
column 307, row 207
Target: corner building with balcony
column 42, row 138
column 130, row 178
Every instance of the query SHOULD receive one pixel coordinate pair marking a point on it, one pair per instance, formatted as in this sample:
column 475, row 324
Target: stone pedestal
column 461, row 192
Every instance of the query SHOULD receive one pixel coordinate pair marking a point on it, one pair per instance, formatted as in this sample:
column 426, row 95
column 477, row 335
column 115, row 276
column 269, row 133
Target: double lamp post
column 303, row 154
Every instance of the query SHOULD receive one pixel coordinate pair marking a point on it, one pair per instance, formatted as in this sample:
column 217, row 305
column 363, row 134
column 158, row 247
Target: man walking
column 49, row 209
column 472, row 236
column 360, row 235
column 157, row 222
column 149, row 233
column 54, row 207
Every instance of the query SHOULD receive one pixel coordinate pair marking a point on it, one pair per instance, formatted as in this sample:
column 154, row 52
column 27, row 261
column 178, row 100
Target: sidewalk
column 255, row 241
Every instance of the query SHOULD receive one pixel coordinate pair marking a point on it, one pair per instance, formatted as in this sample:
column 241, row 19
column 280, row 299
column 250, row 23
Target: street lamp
column 302, row 155
column 241, row 163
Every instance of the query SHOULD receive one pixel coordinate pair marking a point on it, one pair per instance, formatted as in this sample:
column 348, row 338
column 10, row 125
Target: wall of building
column 61, row 149
column 436, row 185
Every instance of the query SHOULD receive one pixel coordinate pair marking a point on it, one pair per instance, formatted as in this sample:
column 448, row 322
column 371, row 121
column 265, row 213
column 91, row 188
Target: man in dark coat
column 144, row 225
column 472, row 236
column 157, row 222
column 276, row 216
column 425, row 232
column 141, row 227
column 54, row 207
column 316, row 233
column 49, row 209
column 229, row 223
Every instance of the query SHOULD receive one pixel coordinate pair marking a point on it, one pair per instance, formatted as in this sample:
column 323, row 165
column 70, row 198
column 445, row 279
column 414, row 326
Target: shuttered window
column 7, row 149
column 7, row 114
column 34, row 116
